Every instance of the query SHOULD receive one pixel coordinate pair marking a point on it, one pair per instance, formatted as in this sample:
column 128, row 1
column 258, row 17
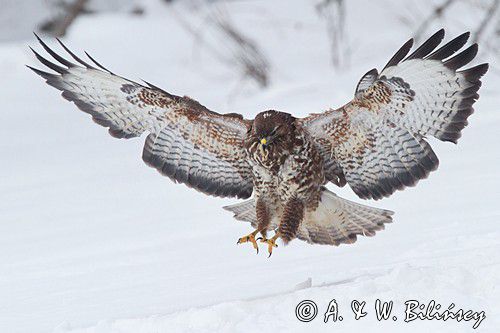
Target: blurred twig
column 59, row 25
column 436, row 13
column 244, row 52
column 334, row 13
column 490, row 13
column 487, row 31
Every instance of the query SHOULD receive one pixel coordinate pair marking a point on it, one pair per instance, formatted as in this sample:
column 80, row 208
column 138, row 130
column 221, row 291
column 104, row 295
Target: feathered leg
column 263, row 217
column 293, row 214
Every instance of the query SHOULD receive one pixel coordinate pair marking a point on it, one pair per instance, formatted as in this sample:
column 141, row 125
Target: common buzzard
column 375, row 143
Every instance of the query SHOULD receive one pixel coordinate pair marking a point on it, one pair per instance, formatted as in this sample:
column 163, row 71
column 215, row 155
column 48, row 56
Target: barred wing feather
column 186, row 141
column 378, row 139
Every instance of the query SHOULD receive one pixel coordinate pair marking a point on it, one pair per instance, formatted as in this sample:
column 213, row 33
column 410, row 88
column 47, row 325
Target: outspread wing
column 186, row 141
column 378, row 139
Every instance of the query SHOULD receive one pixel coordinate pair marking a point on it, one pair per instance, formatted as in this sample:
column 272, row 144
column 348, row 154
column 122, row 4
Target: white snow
column 92, row 240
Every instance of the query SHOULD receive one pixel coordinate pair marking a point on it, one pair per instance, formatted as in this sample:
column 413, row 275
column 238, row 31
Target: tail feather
column 244, row 211
column 338, row 221
column 335, row 221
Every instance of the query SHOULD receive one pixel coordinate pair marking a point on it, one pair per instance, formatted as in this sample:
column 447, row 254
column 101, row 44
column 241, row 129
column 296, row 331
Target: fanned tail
column 337, row 221
column 244, row 211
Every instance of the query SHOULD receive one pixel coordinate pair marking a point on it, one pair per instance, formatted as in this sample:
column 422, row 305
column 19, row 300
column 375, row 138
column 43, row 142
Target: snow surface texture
column 92, row 240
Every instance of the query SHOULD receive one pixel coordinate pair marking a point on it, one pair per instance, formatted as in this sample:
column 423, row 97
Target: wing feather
column 402, row 52
column 366, row 81
column 187, row 142
column 428, row 46
column 450, row 48
column 378, row 139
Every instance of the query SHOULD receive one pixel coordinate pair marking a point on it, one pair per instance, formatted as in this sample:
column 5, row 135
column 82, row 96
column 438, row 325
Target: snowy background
column 92, row 240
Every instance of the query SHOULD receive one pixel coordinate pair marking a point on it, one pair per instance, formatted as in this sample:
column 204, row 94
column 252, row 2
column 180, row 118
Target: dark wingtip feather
column 74, row 56
column 49, row 64
column 450, row 48
column 428, row 46
column 463, row 58
column 38, row 38
column 43, row 74
column 460, row 120
column 475, row 73
column 372, row 72
column 54, row 54
column 152, row 86
column 400, row 54
column 98, row 64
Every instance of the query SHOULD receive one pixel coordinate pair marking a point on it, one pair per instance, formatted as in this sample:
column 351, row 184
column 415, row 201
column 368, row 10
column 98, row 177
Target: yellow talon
column 270, row 243
column 249, row 238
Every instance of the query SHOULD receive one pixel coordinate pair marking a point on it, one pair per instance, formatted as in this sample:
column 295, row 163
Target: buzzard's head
column 272, row 132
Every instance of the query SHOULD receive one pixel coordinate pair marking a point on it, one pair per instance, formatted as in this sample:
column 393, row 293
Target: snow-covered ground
column 92, row 240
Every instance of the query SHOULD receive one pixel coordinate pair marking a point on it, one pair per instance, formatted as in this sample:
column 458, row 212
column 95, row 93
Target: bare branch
column 334, row 13
column 435, row 14
column 490, row 13
column 244, row 52
column 60, row 25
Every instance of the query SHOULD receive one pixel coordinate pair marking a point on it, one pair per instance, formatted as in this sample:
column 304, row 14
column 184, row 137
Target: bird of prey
column 376, row 143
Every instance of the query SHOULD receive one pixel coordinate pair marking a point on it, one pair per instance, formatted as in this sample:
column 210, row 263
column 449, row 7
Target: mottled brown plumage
column 376, row 143
column 288, row 172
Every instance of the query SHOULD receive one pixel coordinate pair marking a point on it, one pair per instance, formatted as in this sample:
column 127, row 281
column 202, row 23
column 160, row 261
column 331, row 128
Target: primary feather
column 186, row 141
column 378, row 139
